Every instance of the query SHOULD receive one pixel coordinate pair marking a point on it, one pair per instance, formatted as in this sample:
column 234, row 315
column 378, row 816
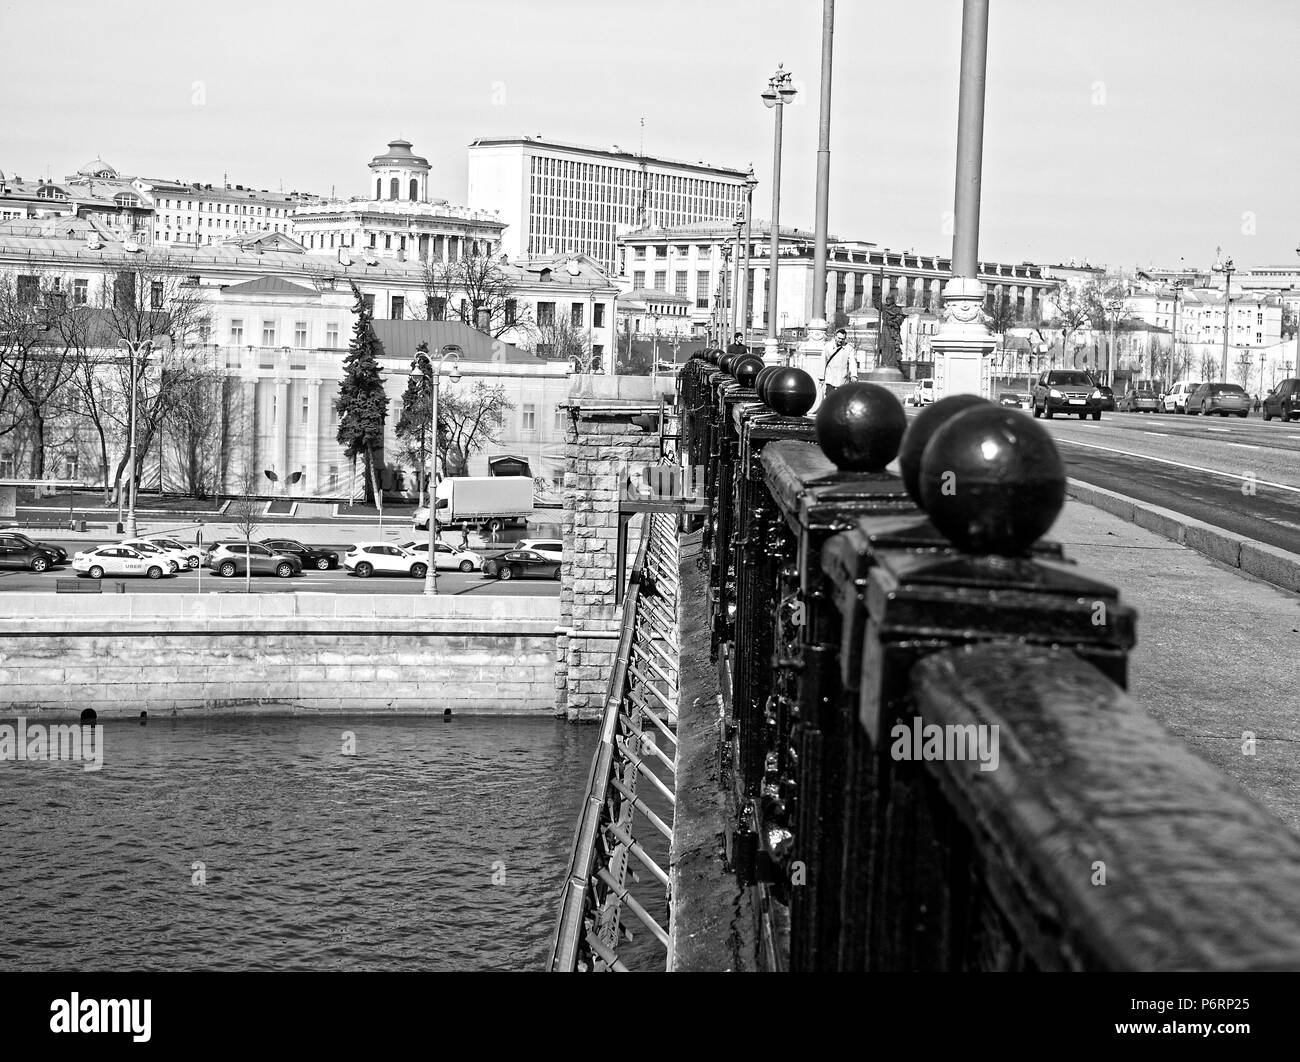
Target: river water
column 257, row 844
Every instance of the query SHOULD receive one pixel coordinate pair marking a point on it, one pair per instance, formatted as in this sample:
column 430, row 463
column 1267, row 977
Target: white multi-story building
column 558, row 197
column 401, row 220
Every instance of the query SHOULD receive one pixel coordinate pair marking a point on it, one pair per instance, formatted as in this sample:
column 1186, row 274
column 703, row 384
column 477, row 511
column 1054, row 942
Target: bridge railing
column 937, row 765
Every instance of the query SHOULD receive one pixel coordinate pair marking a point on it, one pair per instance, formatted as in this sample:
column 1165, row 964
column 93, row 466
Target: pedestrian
column 464, row 536
column 1257, row 403
column 839, row 363
column 738, row 344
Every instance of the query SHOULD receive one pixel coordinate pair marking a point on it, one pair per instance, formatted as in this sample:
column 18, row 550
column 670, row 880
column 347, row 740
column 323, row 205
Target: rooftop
column 613, row 153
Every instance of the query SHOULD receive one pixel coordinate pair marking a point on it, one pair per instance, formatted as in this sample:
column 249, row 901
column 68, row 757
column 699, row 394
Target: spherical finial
column 992, row 481
column 726, row 361
column 746, row 369
column 860, row 426
column 760, row 382
column 921, row 430
column 790, row 392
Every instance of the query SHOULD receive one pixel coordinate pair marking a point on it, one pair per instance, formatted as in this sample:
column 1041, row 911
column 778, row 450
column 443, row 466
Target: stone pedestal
column 963, row 346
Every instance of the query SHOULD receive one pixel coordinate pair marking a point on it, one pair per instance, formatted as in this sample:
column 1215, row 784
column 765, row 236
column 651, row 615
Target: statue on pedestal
column 892, row 317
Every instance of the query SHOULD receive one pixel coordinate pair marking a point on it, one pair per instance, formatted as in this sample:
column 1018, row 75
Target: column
column 248, row 415
column 281, row 428
column 311, row 481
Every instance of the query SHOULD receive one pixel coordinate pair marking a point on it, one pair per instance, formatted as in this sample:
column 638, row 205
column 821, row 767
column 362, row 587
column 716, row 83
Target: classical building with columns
column 400, row 220
column 698, row 261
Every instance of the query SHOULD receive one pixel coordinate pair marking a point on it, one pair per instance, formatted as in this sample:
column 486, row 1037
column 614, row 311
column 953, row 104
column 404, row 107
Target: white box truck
column 480, row 500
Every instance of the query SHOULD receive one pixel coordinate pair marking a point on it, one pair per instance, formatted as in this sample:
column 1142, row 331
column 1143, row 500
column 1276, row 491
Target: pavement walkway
column 1216, row 652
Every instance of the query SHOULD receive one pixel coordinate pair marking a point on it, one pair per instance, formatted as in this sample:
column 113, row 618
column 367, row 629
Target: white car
column 1175, row 399
column 175, row 557
column 550, row 548
column 450, row 558
column 193, row 554
column 120, row 560
column 924, row 393
column 365, row 559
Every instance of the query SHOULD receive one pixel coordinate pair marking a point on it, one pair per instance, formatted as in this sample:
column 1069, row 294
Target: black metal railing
column 937, row 765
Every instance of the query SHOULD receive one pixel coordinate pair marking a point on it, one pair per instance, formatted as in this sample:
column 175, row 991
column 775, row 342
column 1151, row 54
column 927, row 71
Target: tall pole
column 733, row 321
column 1173, row 357
column 132, row 530
column 742, row 295
column 431, row 572
column 778, row 94
column 1227, row 317
column 822, row 226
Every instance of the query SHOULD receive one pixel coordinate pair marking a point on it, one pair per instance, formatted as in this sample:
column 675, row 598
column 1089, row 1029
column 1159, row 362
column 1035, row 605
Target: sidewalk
column 1216, row 651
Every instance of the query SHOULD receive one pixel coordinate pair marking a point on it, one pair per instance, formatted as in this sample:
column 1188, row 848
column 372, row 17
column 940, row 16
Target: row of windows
column 301, row 332
column 216, row 208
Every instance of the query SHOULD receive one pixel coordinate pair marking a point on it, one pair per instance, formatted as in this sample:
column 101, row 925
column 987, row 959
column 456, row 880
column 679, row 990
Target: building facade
column 556, row 197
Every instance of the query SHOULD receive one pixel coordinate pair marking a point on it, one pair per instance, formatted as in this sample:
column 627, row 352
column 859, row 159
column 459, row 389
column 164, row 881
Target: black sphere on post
column 860, row 426
column 760, row 382
column 726, row 361
column 921, row 430
column 790, row 392
column 746, row 369
column 992, row 481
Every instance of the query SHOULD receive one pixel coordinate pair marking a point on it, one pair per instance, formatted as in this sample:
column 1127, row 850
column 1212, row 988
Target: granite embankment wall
column 230, row 653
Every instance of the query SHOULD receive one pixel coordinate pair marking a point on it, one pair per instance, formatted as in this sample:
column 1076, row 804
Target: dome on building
column 97, row 168
column 399, row 154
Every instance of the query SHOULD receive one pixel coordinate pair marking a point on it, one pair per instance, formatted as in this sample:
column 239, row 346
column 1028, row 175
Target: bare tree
column 468, row 421
column 557, row 338
column 476, row 291
column 192, row 422
column 1105, row 302
column 244, row 513
column 1071, row 314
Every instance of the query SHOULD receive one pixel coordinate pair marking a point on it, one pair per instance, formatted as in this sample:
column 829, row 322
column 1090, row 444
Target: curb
column 1277, row 566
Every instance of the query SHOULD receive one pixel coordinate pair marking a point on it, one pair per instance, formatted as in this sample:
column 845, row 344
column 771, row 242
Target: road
column 1242, row 475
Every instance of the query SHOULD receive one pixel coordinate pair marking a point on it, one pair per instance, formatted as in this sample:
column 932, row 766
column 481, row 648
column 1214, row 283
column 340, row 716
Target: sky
column 1123, row 132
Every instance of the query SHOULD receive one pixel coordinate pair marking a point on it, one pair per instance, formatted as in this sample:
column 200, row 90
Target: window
column 679, row 282
column 464, row 310
column 334, row 477
column 80, row 292
column 639, row 253
column 388, row 240
column 332, row 334
column 576, row 314
column 436, row 308
column 399, row 307
column 546, row 314
column 1259, row 337
column 598, row 315
column 392, row 188
column 529, row 423
column 236, row 333
column 300, row 334
column 638, row 280
column 661, row 280
column 268, row 333
column 369, row 300
column 702, row 290
column 512, row 309
column 661, row 251
column 306, row 408
column 559, row 419
column 415, row 189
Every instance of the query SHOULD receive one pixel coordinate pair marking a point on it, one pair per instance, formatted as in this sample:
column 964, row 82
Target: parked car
column 1220, row 398
column 18, row 551
column 449, row 557
column 550, row 548
column 310, row 556
column 365, row 559
column 1283, row 401
column 175, row 559
column 1175, row 399
column 56, row 555
column 923, row 394
column 1018, row 399
column 1139, row 402
column 239, row 558
column 121, row 560
column 1066, row 391
column 1107, row 397
column 517, row 563
column 192, row 555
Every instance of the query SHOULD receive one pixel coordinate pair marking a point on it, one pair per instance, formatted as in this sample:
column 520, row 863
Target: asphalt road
column 316, row 582
column 1242, row 475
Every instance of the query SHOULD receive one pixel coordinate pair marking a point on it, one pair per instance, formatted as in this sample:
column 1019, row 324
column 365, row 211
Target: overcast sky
column 1129, row 132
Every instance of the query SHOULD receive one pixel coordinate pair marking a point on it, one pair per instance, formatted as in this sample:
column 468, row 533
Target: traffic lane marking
column 1181, row 464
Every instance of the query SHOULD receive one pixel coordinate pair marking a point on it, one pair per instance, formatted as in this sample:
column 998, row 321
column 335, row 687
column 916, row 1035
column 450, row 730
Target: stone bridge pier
column 603, row 447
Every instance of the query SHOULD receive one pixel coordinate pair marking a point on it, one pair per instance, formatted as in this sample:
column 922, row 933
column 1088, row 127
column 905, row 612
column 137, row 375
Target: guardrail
column 937, row 767
column 640, row 712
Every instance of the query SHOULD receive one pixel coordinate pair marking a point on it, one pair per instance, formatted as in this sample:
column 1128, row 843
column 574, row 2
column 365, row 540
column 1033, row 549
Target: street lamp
column 133, row 347
column 424, row 366
column 744, row 310
column 1226, row 268
column 733, row 321
column 780, row 91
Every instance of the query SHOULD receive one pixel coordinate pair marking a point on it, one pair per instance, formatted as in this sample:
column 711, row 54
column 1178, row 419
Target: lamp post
column 818, row 325
column 744, row 311
column 724, row 310
column 133, row 347
column 1226, row 268
column 733, row 320
column 433, row 373
column 780, row 91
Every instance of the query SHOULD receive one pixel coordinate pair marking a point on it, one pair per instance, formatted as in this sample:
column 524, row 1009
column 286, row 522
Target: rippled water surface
column 313, row 860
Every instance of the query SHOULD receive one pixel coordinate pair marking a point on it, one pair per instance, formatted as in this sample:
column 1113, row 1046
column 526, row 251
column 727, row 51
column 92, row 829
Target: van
column 1175, row 399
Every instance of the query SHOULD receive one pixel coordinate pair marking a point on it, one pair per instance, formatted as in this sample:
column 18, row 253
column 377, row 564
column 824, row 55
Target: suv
column 1220, row 398
column 15, row 539
column 550, row 548
column 1283, row 401
column 1066, row 391
column 1175, row 399
column 236, row 558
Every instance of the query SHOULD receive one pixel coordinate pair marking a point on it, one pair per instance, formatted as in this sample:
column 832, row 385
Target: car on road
column 312, row 557
column 176, row 559
column 550, row 548
column 121, row 560
column 192, row 555
column 517, row 563
column 1015, row 399
column 1067, row 391
column 449, row 557
column 923, row 394
column 1283, row 401
column 240, row 558
column 18, row 551
column 1175, row 399
column 1107, row 395
column 365, row 559
column 1220, row 398
column 1139, row 402
column 16, row 540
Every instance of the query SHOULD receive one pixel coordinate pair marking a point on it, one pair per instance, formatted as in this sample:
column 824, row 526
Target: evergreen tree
column 413, row 423
column 362, row 404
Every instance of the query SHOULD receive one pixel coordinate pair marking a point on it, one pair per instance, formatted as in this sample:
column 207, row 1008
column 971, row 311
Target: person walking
column 839, row 363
